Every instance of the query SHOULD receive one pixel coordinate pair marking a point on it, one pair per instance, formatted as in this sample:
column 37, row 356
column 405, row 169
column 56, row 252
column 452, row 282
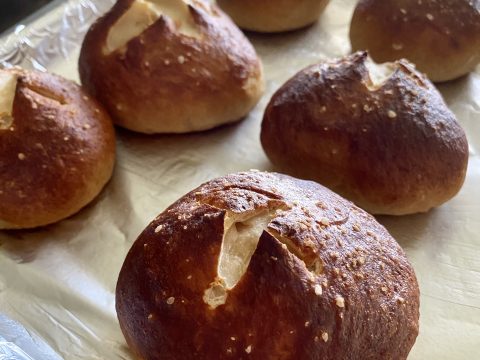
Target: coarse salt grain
column 392, row 114
column 325, row 336
column 170, row 300
column 248, row 349
column 340, row 301
column 158, row 228
column 318, row 290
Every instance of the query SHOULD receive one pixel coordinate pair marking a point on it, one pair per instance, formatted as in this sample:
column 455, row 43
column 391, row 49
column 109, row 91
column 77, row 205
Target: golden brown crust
column 57, row 154
column 273, row 15
column 441, row 37
column 395, row 149
column 166, row 81
column 368, row 306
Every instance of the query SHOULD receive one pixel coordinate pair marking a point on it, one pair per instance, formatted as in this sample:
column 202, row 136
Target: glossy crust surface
column 56, row 155
column 164, row 81
column 394, row 148
column 273, row 15
column 326, row 281
column 441, row 37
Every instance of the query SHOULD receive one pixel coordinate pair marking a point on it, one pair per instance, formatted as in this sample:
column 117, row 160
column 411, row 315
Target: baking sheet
column 58, row 282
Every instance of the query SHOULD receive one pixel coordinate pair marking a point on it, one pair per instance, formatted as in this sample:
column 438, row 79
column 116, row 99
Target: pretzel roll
column 441, row 37
column 273, row 15
column 57, row 148
column 170, row 66
column 264, row 266
column 380, row 135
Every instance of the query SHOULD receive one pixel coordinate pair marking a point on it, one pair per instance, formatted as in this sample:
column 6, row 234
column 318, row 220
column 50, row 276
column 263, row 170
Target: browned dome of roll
column 386, row 141
column 273, row 15
column 170, row 66
column 264, row 266
column 57, row 148
column 442, row 38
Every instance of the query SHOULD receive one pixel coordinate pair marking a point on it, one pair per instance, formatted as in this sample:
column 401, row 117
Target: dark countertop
column 13, row 11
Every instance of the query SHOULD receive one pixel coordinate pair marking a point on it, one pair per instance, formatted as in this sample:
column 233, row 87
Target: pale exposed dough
column 379, row 73
column 8, row 85
column 239, row 243
column 142, row 14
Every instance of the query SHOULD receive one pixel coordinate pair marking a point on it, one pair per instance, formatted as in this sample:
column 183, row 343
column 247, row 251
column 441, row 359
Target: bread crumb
column 181, row 59
column 325, row 336
column 384, row 289
column 318, row 290
column 430, row 17
column 21, row 156
column 392, row 114
column 170, row 300
column 324, row 221
column 158, row 228
column 355, row 227
column 248, row 349
column 166, row 62
column 233, row 338
column 397, row 46
column 307, row 323
column 189, row 277
column 150, row 316
column 400, row 300
column 361, row 260
column 340, row 301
